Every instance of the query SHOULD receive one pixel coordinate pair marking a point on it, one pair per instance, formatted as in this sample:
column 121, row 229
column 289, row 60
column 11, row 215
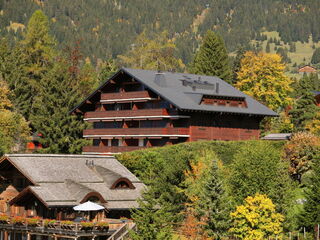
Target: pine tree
column 304, row 108
column 212, row 58
column 61, row 131
column 153, row 219
column 236, row 66
column 310, row 215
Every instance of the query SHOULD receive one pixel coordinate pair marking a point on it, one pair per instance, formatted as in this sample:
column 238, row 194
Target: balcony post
column 28, row 236
column 5, row 235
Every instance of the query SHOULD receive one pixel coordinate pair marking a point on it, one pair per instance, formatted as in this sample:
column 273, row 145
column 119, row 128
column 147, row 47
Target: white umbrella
column 88, row 206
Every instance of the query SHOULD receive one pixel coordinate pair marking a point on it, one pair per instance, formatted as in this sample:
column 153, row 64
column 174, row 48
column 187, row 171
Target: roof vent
column 160, row 79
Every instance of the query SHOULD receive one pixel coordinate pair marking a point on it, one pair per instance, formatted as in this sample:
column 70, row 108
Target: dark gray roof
column 188, row 98
column 64, row 180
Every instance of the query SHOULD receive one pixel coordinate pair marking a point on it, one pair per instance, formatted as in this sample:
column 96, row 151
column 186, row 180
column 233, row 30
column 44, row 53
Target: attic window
column 123, row 183
column 223, row 101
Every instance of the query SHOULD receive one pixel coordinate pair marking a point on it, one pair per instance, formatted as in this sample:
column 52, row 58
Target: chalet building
column 136, row 109
column 48, row 186
column 38, row 193
column 307, row 70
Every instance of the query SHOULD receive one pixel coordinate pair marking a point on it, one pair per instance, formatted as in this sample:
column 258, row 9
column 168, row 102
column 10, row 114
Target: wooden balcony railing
column 137, row 132
column 124, row 96
column 52, row 227
column 110, row 149
column 129, row 113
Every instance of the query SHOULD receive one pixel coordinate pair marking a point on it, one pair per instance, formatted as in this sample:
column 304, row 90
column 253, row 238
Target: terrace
column 109, row 228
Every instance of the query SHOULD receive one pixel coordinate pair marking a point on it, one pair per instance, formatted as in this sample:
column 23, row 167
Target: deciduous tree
column 256, row 219
column 152, row 54
column 262, row 77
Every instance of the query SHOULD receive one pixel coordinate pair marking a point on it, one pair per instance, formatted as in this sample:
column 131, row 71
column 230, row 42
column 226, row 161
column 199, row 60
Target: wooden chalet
column 49, row 186
column 136, row 109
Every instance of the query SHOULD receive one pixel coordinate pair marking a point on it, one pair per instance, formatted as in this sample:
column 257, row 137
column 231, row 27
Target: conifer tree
column 37, row 54
column 316, row 56
column 61, row 131
column 212, row 58
column 268, row 47
column 153, row 219
column 310, row 215
column 213, row 205
column 304, row 108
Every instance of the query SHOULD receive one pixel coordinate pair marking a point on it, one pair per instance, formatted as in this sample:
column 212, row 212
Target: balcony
column 132, row 114
column 67, row 229
column 109, row 149
column 135, row 132
column 139, row 96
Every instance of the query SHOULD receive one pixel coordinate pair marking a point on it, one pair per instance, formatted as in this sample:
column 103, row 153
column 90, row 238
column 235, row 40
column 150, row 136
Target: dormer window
column 122, row 183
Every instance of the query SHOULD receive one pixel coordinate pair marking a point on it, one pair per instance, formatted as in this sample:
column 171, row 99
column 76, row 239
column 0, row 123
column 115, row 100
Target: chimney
column 160, row 79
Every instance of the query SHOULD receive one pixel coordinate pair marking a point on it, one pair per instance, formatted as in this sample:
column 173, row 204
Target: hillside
column 108, row 28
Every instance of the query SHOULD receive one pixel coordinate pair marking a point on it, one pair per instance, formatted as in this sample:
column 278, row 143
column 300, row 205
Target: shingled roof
column 64, row 180
column 185, row 91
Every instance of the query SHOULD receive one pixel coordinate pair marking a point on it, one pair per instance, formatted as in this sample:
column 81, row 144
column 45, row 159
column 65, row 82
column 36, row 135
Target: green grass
column 302, row 56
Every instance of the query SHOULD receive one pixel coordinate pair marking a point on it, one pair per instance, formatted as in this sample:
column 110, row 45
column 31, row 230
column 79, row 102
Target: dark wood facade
column 127, row 115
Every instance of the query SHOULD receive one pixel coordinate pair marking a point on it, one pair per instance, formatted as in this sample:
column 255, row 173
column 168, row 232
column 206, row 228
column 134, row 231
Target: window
column 122, row 185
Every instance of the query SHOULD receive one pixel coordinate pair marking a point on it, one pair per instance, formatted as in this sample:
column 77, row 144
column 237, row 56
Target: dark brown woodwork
column 125, row 95
column 111, row 149
column 130, row 113
column 137, row 131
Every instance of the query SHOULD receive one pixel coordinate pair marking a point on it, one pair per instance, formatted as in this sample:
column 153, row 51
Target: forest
column 203, row 190
column 106, row 29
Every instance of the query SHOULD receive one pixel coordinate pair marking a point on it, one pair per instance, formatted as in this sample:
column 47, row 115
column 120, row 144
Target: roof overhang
column 7, row 158
column 24, row 193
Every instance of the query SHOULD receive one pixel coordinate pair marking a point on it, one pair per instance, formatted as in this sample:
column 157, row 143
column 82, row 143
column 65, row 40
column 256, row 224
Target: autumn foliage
column 257, row 219
column 262, row 76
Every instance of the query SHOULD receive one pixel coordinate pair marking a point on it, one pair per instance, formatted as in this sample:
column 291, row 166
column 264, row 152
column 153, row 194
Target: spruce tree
column 316, row 56
column 268, row 47
column 61, row 131
column 212, row 58
column 304, row 108
column 153, row 219
column 310, row 215
column 213, row 205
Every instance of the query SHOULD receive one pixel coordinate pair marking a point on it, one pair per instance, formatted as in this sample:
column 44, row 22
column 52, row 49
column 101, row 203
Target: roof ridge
column 56, row 155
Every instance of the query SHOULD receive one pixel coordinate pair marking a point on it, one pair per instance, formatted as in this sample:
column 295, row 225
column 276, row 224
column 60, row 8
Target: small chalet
column 136, row 109
column 38, row 193
column 307, row 70
column 48, row 186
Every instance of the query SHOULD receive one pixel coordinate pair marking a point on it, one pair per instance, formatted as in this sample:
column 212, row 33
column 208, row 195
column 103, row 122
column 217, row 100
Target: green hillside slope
column 107, row 28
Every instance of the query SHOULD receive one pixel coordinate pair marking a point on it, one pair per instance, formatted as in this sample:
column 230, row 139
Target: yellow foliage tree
column 257, row 219
column 152, row 54
column 14, row 130
column 314, row 125
column 261, row 76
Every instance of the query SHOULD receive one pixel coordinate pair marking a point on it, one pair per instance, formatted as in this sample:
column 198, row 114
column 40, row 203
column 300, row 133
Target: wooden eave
column 23, row 193
column 4, row 158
